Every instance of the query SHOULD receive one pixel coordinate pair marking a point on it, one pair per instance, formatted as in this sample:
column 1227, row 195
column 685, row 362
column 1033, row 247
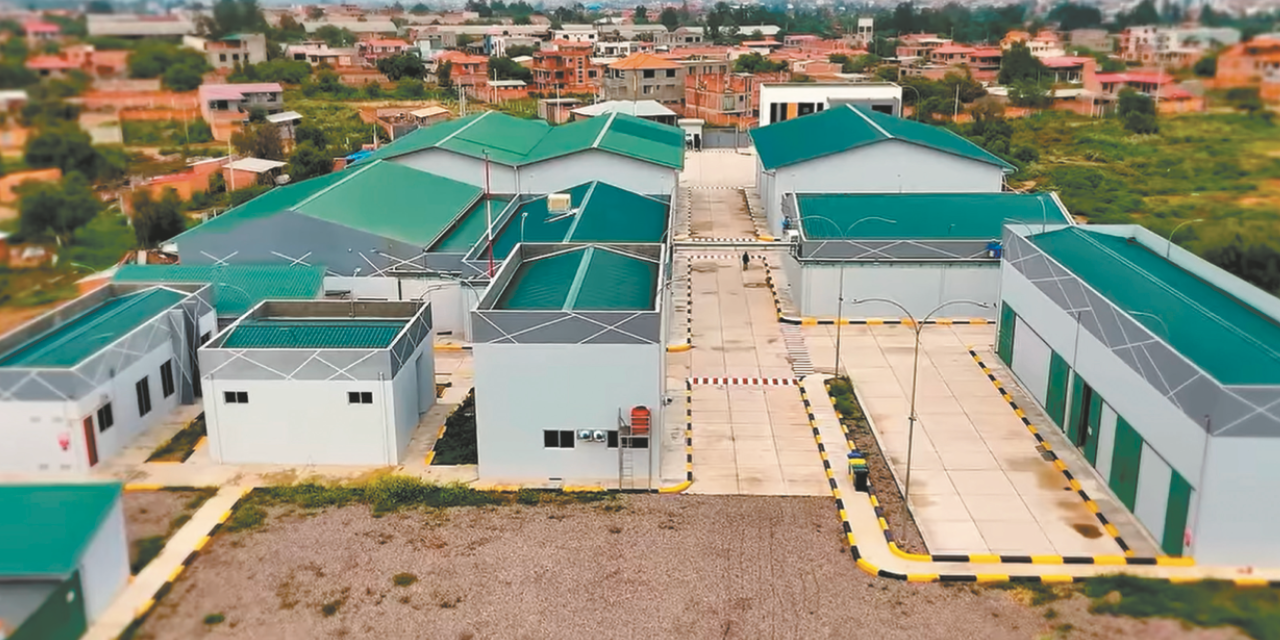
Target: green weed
column 458, row 446
column 403, row 579
column 214, row 618
column 145, row 550
column 1204, row 604
column 182, row 444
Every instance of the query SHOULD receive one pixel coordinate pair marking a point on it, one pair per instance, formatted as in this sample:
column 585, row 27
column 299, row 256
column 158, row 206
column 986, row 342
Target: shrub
column 247, row 516
column 146, row 550
column 214, row 618
column 403, row 579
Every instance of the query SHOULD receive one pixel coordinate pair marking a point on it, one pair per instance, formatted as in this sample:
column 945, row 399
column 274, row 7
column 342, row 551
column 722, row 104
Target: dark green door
column 1093, row 427
column 1056, row 397
column 1175, row 516
column 1077, row 397
column 1004, row 341
column 1125, row 461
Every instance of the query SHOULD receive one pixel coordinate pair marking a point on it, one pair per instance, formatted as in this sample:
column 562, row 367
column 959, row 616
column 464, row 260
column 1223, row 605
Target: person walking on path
column 746, row 260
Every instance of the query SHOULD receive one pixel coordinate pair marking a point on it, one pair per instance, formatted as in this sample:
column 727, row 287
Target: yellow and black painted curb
column 688, row 312
column 688, row 442
column 442, row 346
column 810, row 322
column 140, row 616
column 831, row 478
column 1058, row 464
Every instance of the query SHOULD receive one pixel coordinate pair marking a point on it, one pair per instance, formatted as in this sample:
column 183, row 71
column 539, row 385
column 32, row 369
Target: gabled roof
column 381, row 198
column 307, row 333
column 644, row 60
column 1232, row 341
column 931, row 216
column 46, row 529
column 237, row 91
column 516, row 141
column 846, row 127
column 591, row 278
column 600, row 212
column 245, row 285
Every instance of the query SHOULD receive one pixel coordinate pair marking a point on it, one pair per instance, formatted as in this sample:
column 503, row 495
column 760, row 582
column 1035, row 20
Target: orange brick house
column 1255, row 63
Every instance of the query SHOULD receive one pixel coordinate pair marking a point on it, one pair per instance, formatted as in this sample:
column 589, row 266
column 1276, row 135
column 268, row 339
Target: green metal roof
column 291, row 333
column 933, row 216
column 70, row 343
column 585, row 279
column 238, row 288
column 471, row 227
column 518, row 141
column 846, row 127
column 46, row 528
column 383, row 198
column 1232, row 341
column 601, row 213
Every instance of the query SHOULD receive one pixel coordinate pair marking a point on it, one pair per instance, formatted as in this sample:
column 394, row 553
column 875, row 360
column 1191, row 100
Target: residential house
column 918, row 45
column 497, row 45
column 376, row 49
column 319, row 53
column 137, row 27
column 226, row 106
column 622, row 48
column 1105, row 88
column 644, row 76
column 40, row 33
column 235, row 49
column 1177, row 47
column 576, row 33
column 565, row 66
column 951, row 55
column 1071, row 69
column 725, row 99
column 50, row 66
column 373, row 27
column 1045, row 44
column 1255, row 63
column 682, row 36
column 1099, row 40
column 464, row 69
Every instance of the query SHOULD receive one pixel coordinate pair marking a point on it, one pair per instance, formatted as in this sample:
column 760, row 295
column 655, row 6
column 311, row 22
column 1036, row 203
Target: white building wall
column 104, row 567
column 557, row 174
column 455, row 166
column 451, row 303
column 1232, row 524
column 124, row 403
column 1031, row 361
column 891, row 166
column 524, row 389
column 1152, row 499
column 30, row 432
column 1106, row 441
column 920, row 287
column 825, row 93
column 405, row 388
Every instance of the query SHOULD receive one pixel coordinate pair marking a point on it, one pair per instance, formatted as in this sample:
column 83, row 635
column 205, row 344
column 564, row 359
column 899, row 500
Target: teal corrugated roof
column 468, row 231
column 47, row 528
column 586, row 279
column 382, row 198
column 518, row 141
column 313, row 334
column 602, row 213
column 933, row 216
column 238, row 288
column 72, row 342
column 846, row 127
column 1232, row 341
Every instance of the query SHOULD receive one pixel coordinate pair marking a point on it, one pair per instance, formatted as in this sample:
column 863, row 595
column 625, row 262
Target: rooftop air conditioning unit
column 559, row 203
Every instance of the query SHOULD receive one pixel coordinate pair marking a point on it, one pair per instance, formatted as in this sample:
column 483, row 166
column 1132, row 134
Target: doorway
column 1088, row 423
column 91, row 441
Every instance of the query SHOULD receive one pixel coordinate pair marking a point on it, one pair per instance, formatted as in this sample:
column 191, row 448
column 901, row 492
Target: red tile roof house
column 39, row 32
column 50, row 66
column 1169, row 97
column 379, row 48
column 226, row 107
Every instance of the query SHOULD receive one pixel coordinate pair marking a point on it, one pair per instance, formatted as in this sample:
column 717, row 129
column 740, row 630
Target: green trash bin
column 858, row 471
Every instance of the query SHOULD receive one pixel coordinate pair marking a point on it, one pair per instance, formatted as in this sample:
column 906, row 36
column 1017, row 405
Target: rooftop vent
column 559, row 203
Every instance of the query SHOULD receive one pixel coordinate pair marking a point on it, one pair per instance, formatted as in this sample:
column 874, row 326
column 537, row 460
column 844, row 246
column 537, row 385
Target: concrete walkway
column 138, row 598
column 878, row 558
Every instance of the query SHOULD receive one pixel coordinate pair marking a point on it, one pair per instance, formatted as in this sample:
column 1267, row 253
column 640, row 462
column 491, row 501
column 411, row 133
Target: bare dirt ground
column 640, row 567
column 149, row 514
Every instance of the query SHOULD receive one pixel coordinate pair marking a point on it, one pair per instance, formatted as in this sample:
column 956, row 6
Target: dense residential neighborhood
column 669, row 320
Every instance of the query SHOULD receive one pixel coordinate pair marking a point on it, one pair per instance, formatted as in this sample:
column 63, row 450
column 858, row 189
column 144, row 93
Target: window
column 235, row 397
column 166, row 378
column 557, row 439
column 222, row 57
column 144, row 396
column 630, row 442
column 648, row 73
column 359, row 397
column 235, row 57
column 647, row 89
column 205, row 338
column 105, row 417
column 671, row 73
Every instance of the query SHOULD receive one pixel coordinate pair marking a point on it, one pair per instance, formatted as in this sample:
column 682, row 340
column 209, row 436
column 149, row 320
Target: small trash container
column 858, row 471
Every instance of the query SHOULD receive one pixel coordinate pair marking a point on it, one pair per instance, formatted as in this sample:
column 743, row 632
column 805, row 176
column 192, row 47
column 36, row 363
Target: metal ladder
column 626, row 456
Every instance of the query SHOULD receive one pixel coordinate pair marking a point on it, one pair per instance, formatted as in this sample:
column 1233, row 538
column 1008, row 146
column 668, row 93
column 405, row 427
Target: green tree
column 1029, row 92
column 56, row 209
column 154, row 59
column 756, row 63
column 401, row 66
column 373, row 90
column 641, row 15
column 1254, row 258
column 233, row 16
column 508, row 69
column 336, row 36
column 307, row 132
column 1143, row 14
column 66, row 147
column 1018, row 64
column 308, row 161
column 409, row 89
column 419, row 9
column 1138, row 112
column 519, row 50
column 182, row 77
column 444, row 74
column 1207, row 67
column 259, row 141
column 1070, row 16
column 669, row 18
column 315, row 13
column 99, row 7
column 155, row 221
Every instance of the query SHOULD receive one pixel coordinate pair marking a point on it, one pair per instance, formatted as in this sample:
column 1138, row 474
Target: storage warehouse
column 1164, row 370
column 917, row 249
column 569, row 363
column 848, row 149
column 236, row 288
column 531, row 156
column 63, row 558
column 318, row 382
column 79, row 383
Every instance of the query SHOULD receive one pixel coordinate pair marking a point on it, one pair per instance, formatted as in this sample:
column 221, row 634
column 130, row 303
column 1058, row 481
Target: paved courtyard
column 978, row 482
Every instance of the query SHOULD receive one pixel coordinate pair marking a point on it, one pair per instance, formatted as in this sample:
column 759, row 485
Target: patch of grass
column 1206, row 604
column 458, row 446
column 146, row 550
column 403, row 579
column 179, row 520
column 182, row 444
column 101, row 243
column 201, row 496
column 214, row 618
column 247, row 516
column 1036, row 594
column 846, row 404
column 330, row 608
column 528, row 497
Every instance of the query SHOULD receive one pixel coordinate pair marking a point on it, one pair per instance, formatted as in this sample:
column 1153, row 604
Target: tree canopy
column 56, row 209
column 1019, row 64
column 308, row 161
column 402, row 66
column 155, row 221
column 756, row 63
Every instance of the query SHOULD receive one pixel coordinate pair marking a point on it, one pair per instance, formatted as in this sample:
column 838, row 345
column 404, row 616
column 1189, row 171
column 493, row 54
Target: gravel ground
column 152, row 513
column 641, row 567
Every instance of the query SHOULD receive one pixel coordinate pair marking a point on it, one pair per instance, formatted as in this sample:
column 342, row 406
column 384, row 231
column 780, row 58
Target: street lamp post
column 1169, row 247
column 917, row 111
column 840, row 293
column 917, row 326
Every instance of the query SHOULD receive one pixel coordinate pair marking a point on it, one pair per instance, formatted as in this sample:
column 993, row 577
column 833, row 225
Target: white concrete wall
column 30, row 432
column 891, row 166
column 820, row 92
column 124, row 403
column 1031, row 361
column 367, row 288
column 1152, row 501
column 557, row 174
column 455, row 166
column 104, row 567
column 404, row 389
column 451, row 303
column 920, row 287
column 1233, row 520
column 299, row 422
column 524, row 389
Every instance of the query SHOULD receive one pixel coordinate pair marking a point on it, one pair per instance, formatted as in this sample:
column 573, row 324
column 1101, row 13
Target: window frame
column 359, row 397
column 106, row 417
column 559, row 437
column 166, row 378
column 235, row 397
column 142, row 389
